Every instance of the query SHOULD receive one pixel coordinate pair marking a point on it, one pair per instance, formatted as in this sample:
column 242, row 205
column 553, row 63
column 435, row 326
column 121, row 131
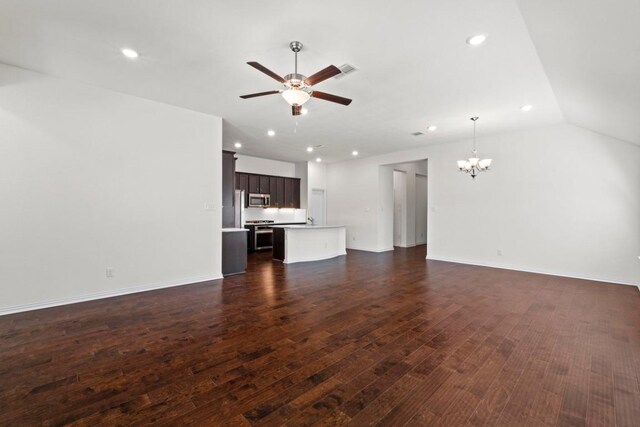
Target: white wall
column 261, row 166
column 92, row 179
column 352, row 200
column 316, row 180
column 302, row 172
column 421, row 213
column 560, row 200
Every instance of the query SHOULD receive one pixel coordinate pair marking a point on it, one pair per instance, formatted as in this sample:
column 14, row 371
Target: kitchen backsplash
column 278, row 215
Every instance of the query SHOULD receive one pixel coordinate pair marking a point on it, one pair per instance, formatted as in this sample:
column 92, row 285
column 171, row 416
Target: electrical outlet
column 209, row 207
column 109, row 273
column 354, row 239
column 499, row 252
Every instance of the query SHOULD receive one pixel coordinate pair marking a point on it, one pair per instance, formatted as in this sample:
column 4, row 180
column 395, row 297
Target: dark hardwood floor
column 387, row 339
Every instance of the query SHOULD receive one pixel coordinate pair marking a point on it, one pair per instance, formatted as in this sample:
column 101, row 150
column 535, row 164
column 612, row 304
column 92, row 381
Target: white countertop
column 308, row 226
column 230, row 230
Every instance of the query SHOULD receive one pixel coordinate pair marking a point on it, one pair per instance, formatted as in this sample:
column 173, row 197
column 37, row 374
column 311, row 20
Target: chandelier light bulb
column 485, row 163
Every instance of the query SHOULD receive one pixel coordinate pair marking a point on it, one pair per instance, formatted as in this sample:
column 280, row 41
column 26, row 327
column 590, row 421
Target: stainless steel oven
column 262, row 237
column 259, row 200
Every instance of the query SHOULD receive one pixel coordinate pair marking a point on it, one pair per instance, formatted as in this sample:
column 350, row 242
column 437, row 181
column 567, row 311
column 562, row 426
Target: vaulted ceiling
column 590, row 51
column 567, row 58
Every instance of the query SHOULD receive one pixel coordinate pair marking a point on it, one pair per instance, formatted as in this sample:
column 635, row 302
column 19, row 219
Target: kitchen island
column 300, row 243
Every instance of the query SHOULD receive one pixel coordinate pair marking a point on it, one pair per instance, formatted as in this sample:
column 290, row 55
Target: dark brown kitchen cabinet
column 284, row 191
column 254, row 184
column 264, row 184
column 291, row 193
column 273, row 191
column 242, row 184
column 228, row 186
column 296, row 193
column 258, row 184
column 279, row 191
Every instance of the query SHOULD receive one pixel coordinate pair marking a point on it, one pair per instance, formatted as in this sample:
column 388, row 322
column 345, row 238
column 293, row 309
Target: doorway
column 399, row 208
column 317, row 208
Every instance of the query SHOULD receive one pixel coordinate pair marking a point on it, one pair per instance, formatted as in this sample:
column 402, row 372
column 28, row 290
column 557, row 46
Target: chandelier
column 474, row 165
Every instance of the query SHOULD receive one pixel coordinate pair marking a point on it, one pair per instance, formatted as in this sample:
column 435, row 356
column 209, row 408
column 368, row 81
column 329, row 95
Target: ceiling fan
column 298, row 88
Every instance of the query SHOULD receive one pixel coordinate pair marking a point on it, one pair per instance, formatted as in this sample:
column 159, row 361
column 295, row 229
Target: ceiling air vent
column 417, row 133
column 345, row 69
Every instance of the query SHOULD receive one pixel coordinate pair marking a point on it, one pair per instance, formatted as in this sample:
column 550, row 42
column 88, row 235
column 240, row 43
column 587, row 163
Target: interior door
column 317, row 209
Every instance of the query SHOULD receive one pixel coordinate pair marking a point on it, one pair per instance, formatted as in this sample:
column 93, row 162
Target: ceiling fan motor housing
column 295, row 81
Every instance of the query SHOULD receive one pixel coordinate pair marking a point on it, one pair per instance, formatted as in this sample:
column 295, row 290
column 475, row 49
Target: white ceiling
column 414, row 67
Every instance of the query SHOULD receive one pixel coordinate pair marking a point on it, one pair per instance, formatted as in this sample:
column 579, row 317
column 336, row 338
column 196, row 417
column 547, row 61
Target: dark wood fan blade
column 253, row 95
column 323, row 75
column 329, row 97
column 267, row 71
column 296, row 110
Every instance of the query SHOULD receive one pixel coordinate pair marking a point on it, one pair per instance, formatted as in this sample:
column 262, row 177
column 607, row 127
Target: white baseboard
column 526, row 270
column 100, row 295
column 369, row 249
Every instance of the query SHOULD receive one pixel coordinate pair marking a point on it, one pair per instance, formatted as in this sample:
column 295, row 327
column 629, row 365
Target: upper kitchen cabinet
column 291, row 193
column 296, row 193
column 279, row 191
column 242, row 184
column 258, row 184
column 276, row 196
column 284, row 191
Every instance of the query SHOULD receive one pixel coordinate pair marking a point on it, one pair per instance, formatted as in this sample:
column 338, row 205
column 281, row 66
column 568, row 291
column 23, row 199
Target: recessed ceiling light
column 354, row 153
column 271, row 132
column 318, row 159
column 130, row 53
column 476, row 40
column 237, row 145
column 432, row 128
column 304, row 111
column 527, row 107
column 309, row 149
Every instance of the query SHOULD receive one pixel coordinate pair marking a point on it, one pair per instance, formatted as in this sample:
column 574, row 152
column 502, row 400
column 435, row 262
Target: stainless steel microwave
column 259, row 200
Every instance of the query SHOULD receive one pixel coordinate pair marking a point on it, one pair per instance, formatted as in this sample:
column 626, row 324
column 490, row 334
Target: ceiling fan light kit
column 474, row 165
column 297, row 87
